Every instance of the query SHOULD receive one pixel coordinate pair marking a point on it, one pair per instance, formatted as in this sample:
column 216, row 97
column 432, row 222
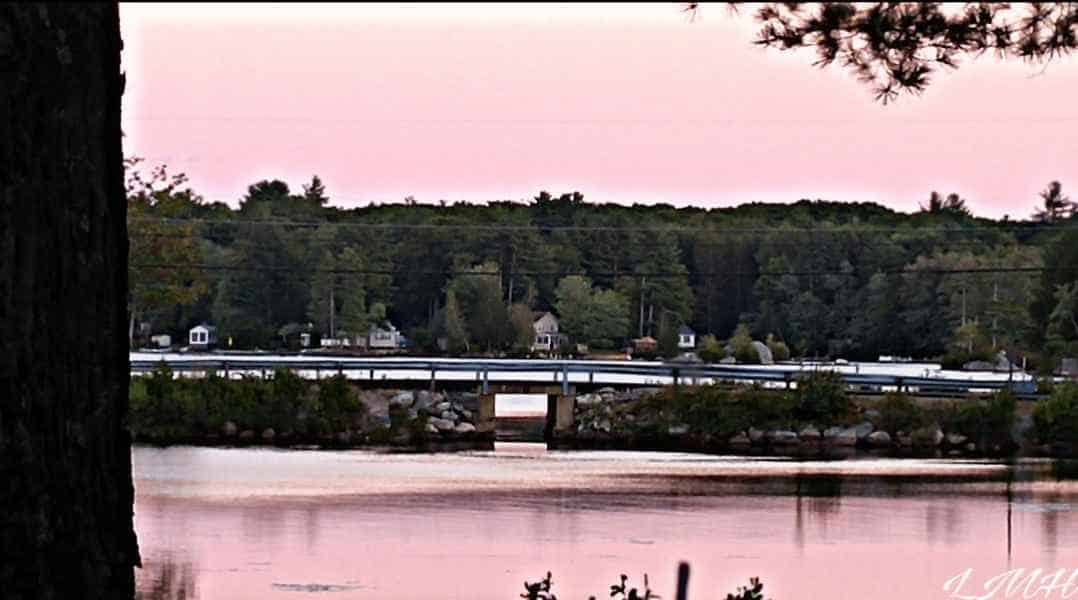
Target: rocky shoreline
column 613, row 419
column 397, row 420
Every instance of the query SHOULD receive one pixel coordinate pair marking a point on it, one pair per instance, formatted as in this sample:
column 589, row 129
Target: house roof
column 647, row 339
column 205, row 326
column 686, row 330
column 541, row 315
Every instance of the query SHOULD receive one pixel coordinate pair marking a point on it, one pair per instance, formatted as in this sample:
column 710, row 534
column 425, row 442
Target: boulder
column 846, row 437
column 464, row 428
column 879, row 439
column 756, row 435
column 229, row 429
column 782, row 436
column 588, row 399
column 423, row 400
column 603, row 425
column 380, row 420
column 904, row 439
column 247, row 435
column 729, row 360
column 763, row 353
column 449, row 415
column 404, row 399
column 431, row 428
column 979, row 365
column 809, row 434
column 956, row 439
column 863, row 430
column 607, row 390
column 677, row 429
column 343, row 437
column 457, row 406
column 970, row 447
column 741, row 440
column 831, row 432
column 443, row 424
column 413, row 414
column 927, row 437
column 467, row 414
column 872, row 415
column 441, row 407
column 268, row 434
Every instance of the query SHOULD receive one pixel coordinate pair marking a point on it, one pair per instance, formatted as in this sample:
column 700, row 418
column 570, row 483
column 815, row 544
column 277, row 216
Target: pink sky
column 625, row 103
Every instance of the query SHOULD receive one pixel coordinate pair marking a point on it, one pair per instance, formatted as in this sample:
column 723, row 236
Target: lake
column 263, row 523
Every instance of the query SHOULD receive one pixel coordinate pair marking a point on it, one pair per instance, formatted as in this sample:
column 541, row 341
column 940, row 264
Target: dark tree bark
column 66, row 495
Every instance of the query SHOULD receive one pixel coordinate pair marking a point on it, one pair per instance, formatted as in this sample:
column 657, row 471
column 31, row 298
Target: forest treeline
column 830, row 279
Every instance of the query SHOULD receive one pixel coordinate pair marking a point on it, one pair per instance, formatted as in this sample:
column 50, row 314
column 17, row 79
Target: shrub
column 338, row 403
column 987, row 422
column 821, row 397
column 710, row 349
column 779, row 349
column 741, row 346
column 766, row 409
column 1056, row 419
column 899, row 413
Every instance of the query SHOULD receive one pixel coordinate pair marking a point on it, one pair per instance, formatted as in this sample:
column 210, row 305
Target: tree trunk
column 66, row 526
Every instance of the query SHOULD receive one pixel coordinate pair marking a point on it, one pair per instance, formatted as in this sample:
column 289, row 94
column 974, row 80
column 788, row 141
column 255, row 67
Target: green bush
column 165, row 408
column 821, row 398
column 779, row 349
column 1056, row 419
column 986, row 422
column 899, row 413
column 710, row 349
column 741, row 345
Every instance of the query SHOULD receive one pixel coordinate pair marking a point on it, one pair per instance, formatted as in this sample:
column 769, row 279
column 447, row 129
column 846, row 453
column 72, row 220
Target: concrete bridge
column 924, row 378
column 561, row 380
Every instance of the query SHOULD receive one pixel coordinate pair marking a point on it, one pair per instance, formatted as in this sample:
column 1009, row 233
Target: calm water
column 256, row 524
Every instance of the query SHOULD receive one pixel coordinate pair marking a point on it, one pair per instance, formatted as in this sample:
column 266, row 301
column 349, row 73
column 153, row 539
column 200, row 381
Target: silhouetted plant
column 755, row 591
column 618, row 590
column 539, row 590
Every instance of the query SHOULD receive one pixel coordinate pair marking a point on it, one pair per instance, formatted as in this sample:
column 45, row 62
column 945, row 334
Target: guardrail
column 563, row 371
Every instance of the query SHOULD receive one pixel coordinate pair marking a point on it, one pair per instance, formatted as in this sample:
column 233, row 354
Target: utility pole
column 643, row 282
column 332, row 309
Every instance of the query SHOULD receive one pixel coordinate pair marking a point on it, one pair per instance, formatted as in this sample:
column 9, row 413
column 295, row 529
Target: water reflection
column 166, row 579
column 263, row 524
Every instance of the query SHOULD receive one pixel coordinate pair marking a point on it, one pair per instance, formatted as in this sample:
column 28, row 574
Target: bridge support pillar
column 485, row 421
column 559, row 414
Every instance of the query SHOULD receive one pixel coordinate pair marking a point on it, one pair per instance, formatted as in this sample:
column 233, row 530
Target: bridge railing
column 563, row 371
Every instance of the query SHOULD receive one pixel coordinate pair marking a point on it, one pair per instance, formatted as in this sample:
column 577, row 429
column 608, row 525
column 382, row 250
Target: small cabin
column 686, row 338
column 202, row 337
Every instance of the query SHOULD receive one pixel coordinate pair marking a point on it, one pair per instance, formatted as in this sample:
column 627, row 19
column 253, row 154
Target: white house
column 686, row 338
column 202, row 337
column 547, row 337
column 162, row 340
column 384, row 337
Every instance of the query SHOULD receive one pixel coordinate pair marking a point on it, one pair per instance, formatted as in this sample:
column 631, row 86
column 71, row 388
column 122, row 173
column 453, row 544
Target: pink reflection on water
column 359, row 525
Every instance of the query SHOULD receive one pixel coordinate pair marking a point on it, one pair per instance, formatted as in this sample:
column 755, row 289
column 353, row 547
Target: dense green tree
column 592, row 316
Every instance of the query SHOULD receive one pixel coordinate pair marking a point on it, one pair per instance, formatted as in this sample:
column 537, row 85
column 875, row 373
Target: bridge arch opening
column 520, row 417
